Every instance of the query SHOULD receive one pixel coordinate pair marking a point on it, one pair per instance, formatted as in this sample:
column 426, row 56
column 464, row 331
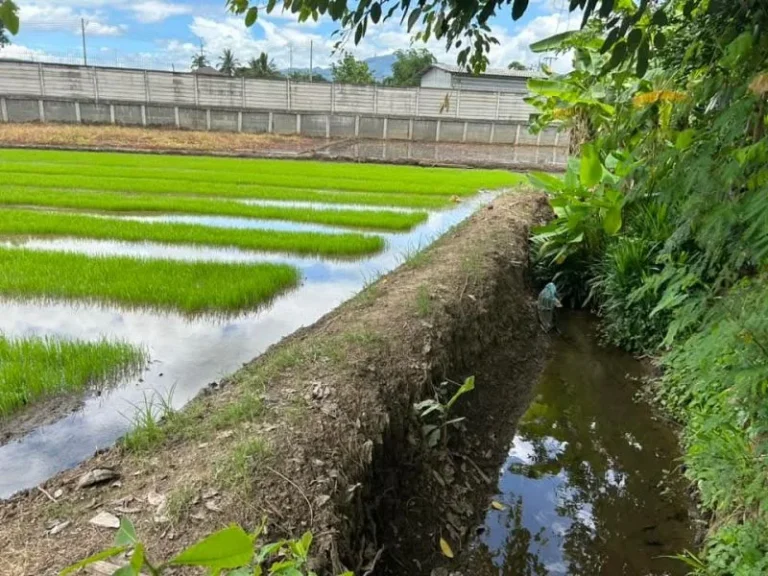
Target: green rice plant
column 27, row 223
column 289, row 173
column 216, row 190
column 35, row 368
column 122, row 202
column 187, row 287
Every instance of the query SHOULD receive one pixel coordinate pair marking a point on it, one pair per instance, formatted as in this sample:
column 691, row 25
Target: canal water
column 591, row 484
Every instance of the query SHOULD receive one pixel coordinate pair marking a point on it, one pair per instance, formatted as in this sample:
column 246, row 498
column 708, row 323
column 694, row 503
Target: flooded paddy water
column 186, row 353
column 590, row 485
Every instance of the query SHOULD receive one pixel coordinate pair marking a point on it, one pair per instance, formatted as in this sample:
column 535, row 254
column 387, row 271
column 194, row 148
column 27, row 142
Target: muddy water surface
column 187, row 353
column 590, row 485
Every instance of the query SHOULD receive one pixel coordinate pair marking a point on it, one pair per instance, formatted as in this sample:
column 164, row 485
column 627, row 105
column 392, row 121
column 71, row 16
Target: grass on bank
column 34, row 368
column 186, row 287
column 121, row 202
column 214, row 190
column 34, row 223
column 287, row 173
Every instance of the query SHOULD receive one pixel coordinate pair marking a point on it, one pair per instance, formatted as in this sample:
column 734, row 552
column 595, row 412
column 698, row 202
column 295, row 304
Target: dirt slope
column 300, row 434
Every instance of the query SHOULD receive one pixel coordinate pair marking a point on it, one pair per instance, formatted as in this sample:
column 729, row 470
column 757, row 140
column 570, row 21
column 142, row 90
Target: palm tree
column 228, row 63
column 262, row 67
column 199, row 60
column 517, row 65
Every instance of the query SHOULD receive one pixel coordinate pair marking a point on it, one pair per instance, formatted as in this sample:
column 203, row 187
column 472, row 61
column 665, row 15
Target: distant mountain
column 381, row 66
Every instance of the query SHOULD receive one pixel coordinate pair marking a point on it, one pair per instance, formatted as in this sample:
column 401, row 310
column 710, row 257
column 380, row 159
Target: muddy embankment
column 319, row 434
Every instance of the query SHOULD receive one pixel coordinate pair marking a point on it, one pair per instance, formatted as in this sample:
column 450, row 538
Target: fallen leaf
column 155, row 499
column 445, row 548
column 97, row 476
column 498, row 505
column 59, row 527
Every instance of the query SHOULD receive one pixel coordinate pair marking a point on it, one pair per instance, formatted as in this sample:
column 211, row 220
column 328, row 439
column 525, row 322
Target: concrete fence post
column 146, row 87
column 143, row 114
column 554, row 147
column 239, row 120
column 298, row 123
column 357, row 126
column 493, row 133
column 437, row 131
column 41, row 79
column 418, row 98
column 333, row 97
column 95, row 84
column 498, row 105
column 41, row 110
column 288, row 91
column 327, row 125
column 464, row 132
column 517, row 135
column 207, row 118
column 538, row 139
column 242, row 93
column 3, row 110
column 112, row 114
column 458, row 102
column 384, row 131
column 197, row 90
column 375, row 99
column 176, row 118
column 410, row 131
column 271, row 123
column 78, row 117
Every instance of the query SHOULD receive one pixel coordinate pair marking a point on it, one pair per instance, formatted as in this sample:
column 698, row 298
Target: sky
column 165, row 34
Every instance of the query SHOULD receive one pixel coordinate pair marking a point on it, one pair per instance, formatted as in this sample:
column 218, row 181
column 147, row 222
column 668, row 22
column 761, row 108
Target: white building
column 492, row 80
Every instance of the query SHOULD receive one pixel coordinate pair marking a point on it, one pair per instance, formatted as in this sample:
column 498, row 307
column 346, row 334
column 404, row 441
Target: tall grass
column 187, row 287
column 121, row 202
column 35, row 368
column 290, row 173
column 27, row 223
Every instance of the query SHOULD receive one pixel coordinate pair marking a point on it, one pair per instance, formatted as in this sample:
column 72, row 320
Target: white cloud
column 48, row 16
column 151, row 11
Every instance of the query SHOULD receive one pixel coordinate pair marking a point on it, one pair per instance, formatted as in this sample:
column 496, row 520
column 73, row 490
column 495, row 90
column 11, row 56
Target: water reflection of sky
column 187, row 353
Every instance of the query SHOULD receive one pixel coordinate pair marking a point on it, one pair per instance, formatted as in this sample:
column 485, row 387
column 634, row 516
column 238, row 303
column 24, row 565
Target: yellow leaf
column 498, row 505
column 445, row 548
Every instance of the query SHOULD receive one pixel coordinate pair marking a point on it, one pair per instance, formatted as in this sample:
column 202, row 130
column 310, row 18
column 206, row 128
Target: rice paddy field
column 147, row 277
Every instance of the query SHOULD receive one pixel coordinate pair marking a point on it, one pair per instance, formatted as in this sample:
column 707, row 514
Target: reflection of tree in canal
column 583, row 475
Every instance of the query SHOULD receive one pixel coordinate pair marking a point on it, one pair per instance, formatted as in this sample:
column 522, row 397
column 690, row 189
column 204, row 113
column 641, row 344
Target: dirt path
column 310, row 433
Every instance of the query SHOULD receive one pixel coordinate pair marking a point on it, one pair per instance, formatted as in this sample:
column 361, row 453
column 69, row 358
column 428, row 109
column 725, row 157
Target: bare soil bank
column 318, row 433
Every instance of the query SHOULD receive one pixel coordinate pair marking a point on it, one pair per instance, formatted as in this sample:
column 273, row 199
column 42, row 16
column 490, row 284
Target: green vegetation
column 242, row 177
column 661, row 225
column 231, row 551
column 35, row 368
column 122, row 202
column 184, row 286
column 27, row 223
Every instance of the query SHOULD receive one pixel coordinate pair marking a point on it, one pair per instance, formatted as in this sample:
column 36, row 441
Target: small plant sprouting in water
column 435, row 415
column 228, row 552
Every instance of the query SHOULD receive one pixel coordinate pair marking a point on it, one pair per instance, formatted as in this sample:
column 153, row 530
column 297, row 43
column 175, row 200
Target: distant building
column 492, row 80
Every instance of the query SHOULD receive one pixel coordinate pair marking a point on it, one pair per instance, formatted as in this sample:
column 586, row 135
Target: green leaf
column 643, row 56
column 591, row 171
column 103, row 555
column 9, row 15
column 375, row 12
column 126, row 535
column 304, row 544
column 606, row 8
column 610, row 40
column 413, row 18
column 684, row 139
column 617, row 56
column 612, row 221
column 634, row 38
column 546, row 181
column 659, row 40
column 518, row 9
column 469, row 385
column 659, row 18
column 251, row 16
column 126, row 570
column 548, row 87
column 555, row 42
column 227, row 548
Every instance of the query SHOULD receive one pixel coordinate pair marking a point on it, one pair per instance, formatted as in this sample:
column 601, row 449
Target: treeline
column 406, row 70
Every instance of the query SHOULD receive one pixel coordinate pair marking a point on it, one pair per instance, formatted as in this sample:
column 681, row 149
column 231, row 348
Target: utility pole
column 310, row 60
column 82, row 30
column 290, row 59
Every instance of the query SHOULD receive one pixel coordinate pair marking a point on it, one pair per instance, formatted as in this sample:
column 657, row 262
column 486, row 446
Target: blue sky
column 166, row 33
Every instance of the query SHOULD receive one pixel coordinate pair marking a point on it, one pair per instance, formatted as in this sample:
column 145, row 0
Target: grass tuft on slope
column 122, row 202
column 29, row 223
column 34, row 368
column 187, row 287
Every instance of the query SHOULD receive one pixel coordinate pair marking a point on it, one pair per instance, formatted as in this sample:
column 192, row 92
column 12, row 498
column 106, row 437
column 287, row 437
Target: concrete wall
column 153, row 88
